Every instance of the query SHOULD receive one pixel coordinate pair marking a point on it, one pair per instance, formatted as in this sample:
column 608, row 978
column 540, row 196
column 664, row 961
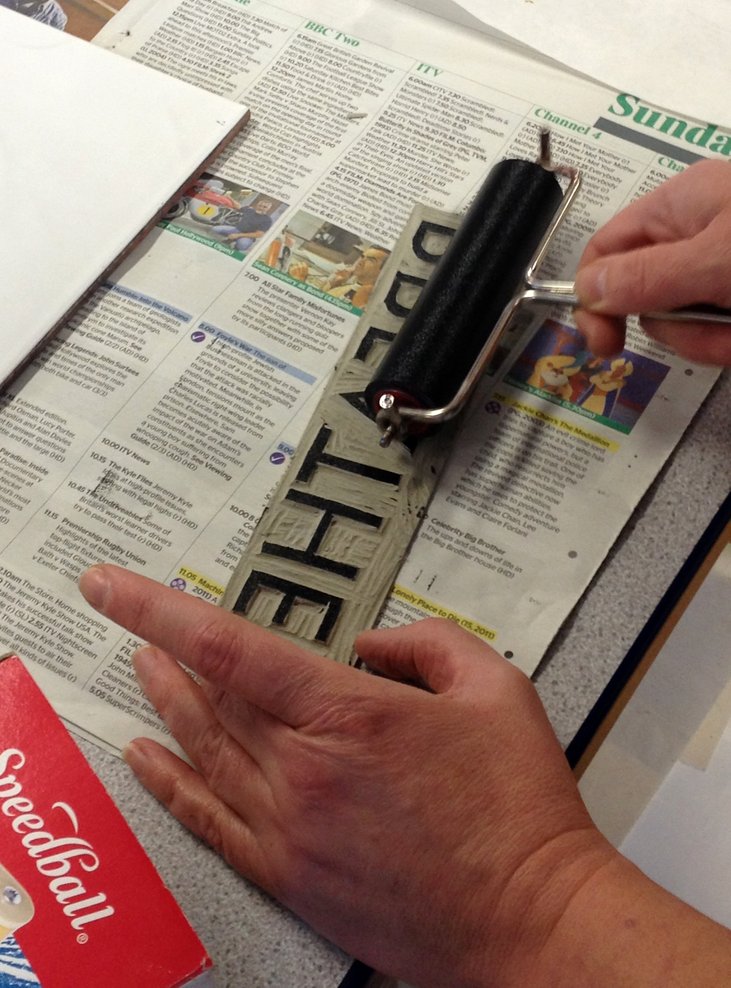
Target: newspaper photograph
column 82, row 18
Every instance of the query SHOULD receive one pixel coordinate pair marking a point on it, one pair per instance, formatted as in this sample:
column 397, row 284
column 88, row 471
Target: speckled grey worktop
column 648, row 554
column 255, row 943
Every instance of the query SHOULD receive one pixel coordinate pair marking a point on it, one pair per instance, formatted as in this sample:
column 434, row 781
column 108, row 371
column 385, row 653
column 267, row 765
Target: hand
column 299, row 270
column 670, row 248
column 340, row 277
column 435, row 833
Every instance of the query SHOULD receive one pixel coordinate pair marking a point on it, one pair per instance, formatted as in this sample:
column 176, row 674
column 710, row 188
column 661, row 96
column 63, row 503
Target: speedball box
column 81, row 905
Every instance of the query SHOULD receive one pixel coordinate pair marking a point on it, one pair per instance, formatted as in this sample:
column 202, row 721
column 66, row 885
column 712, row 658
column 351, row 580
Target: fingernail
column 134, row 755
column 144, row 663
column 591, row 285
column 94, row 586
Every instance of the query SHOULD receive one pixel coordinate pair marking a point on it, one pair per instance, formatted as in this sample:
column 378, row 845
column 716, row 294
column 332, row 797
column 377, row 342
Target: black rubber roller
column 472, row 283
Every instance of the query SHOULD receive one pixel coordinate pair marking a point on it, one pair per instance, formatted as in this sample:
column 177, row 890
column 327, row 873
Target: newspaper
column 153, row 430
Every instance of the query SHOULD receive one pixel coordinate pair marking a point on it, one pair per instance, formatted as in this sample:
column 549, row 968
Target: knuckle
column 212, row 755
column 141, row 610
column 437, row 625
column 304, row 774
column 447, row 629
column 210, row 828
column 640, row 274
column 217, row 648
column 515, row 677
column 314, row 778
column 516, row 686
column 440, row 632
column 627, row 281
column 355, row 723
column 203, row 818
column 176, row 796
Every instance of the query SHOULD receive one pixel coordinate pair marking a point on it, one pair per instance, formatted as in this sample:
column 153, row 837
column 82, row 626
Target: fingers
column 181, row 703
column 254, row 729
column 223, row 648
column 225, row 799
column 641, row 223
column 658, row 277
column 604, row 335
column 661, row 277
column 191, row 801
column 677, row 209
column 705, row 343
column 670, row 248
column 434, row 653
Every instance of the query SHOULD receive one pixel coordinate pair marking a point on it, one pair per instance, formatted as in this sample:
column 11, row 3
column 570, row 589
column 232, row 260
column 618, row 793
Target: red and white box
column 81, row 905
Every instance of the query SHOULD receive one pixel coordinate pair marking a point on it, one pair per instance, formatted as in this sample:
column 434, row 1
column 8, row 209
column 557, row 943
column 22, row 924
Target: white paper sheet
column 92, row 147
column 674, row 55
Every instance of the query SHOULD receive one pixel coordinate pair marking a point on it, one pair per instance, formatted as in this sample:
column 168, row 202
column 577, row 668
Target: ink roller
column 467, row 295
column 487, row 272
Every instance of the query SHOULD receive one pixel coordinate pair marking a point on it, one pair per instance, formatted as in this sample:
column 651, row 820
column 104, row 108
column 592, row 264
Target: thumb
column 434, row 653
column 660, row 276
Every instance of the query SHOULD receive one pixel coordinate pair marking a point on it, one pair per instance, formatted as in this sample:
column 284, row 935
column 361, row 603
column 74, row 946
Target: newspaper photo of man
column 46, row 11
column 246, row 226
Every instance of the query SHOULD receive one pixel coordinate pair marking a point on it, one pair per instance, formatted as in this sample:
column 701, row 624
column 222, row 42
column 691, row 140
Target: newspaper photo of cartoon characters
column 557, row 365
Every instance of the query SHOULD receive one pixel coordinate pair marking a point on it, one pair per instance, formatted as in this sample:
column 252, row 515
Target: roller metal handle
column 564, row 293
column 400, row 409
column 475, row 280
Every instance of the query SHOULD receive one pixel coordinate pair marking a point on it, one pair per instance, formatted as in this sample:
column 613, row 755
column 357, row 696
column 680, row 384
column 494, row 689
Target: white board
column 93, row 147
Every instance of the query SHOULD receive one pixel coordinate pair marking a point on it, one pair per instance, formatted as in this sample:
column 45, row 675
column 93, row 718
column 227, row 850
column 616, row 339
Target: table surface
column 252, row 940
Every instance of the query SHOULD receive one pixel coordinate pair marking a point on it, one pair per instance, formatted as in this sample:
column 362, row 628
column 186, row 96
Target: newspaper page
column 151, row 432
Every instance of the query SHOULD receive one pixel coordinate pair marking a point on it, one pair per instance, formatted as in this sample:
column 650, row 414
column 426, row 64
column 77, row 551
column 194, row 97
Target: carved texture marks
column 325, row 554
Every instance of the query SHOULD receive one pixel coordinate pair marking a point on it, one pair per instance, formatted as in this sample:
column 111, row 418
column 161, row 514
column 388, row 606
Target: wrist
column 560, row 883
column 520, row 936
column 618, row 928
